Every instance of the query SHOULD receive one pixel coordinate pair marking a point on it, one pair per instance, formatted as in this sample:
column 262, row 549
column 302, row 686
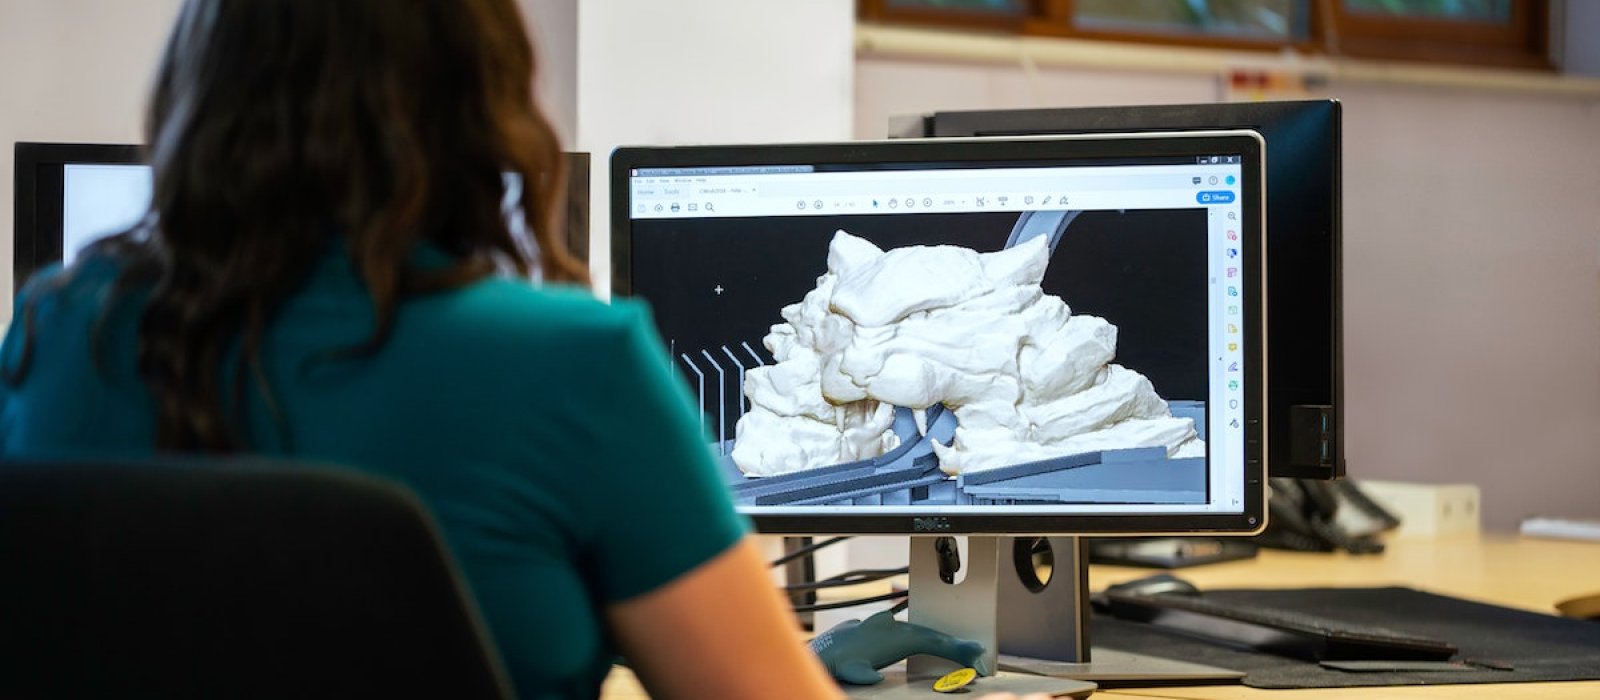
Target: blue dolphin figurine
column 853, row 651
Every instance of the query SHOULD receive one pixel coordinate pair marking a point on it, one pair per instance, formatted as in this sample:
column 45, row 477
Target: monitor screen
column 70, row 195
column 985, row 335
column 98, row 199
column 1305, row 386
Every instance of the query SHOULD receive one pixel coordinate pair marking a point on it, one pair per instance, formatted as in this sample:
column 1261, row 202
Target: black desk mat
column 1537, row 647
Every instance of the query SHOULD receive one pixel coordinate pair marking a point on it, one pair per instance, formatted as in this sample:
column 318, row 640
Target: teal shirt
column 545, row 431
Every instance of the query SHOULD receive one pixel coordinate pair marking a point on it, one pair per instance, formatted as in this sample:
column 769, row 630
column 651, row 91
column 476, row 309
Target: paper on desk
column 1562, row 528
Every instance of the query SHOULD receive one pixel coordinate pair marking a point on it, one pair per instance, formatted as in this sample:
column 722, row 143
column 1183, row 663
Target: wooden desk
column 1522, row 573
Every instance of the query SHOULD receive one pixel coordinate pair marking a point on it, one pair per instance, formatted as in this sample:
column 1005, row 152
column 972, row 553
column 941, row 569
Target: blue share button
column 1215, row 197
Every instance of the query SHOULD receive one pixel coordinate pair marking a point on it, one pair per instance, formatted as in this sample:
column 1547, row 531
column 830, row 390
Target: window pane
column 999, row 7
column 1496, row 11
column 1278, row 20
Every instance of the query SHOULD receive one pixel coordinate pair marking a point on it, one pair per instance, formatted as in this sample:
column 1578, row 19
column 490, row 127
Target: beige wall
column 554, row 25
column 1472, row 267
column 693, row 71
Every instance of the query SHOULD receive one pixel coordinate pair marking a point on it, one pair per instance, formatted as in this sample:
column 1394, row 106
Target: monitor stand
column 1039, row 626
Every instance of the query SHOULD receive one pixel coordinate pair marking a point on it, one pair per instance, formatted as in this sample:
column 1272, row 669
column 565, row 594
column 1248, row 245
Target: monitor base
column 1026, row 598
column 898, row 685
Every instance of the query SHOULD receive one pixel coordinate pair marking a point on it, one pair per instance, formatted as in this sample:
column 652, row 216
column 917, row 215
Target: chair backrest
column 258, row 579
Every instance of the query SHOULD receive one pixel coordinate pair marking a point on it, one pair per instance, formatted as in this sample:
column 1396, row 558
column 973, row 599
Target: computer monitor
column 71, row 194
column 1305, row 382
column 966, row 336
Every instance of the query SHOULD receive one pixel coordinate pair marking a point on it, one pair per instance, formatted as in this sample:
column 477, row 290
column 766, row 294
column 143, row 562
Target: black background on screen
column 1142, row 270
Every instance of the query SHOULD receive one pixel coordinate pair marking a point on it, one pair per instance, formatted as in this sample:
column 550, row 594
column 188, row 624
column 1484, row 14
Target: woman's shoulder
column 82, row 286
column 512, row 308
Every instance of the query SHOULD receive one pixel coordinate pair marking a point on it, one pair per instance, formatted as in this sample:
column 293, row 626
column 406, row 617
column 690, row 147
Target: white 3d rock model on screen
column 926, row 325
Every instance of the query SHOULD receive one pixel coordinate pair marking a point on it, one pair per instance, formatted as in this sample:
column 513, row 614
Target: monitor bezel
column 31, row 248
column 1250, row 520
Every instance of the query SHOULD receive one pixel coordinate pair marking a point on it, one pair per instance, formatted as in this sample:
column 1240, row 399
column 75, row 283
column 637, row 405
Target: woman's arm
column 721, row 630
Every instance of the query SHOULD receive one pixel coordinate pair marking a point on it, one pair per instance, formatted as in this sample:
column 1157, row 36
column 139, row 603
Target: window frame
column 1332, row 29
column 881, row 11
column 1522, row 42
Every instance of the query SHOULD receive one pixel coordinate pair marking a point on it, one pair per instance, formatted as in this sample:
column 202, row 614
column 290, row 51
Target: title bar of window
column 735, row 170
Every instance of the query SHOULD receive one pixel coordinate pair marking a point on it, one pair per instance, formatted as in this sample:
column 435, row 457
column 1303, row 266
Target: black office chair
column 256, row 579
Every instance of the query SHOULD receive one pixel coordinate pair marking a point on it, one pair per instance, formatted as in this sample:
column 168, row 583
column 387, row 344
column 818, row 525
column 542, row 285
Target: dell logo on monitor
column 930, row 524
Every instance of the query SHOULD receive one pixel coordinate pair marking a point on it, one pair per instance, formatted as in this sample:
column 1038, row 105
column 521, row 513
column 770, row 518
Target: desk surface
column 1515, row 572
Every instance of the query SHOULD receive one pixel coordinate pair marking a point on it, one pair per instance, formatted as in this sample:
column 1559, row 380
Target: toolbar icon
column 1233, row 347
column 1028, row 200
column 817, row 204
column 910, row 202
column 979, row 200
column 1233, row 235
column 1232, row 329
column 894, row 204
column 1233, row 253
column 1233, row 272
column 800, row 205
column 1233, row 309
column 927, row 201
column 1233, row 291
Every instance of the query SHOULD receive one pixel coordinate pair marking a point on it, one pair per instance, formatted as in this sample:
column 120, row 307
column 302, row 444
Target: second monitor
column 1305, row 402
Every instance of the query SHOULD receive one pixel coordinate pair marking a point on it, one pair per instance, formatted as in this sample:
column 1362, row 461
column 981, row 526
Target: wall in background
column 1472, row 266
column 554, row 25
column 693, row 71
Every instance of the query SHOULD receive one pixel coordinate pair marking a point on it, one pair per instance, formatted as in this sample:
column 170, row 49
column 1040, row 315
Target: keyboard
column 1275, row 631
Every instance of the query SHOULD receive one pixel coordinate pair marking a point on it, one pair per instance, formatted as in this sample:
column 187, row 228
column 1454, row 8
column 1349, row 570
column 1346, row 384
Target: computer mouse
column 1154, row 585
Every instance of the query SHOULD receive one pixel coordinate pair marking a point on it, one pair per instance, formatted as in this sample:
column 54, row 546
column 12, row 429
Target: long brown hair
column 277, row 128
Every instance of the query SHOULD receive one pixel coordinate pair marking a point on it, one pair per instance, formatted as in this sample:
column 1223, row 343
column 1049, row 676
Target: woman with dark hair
column 327, row 272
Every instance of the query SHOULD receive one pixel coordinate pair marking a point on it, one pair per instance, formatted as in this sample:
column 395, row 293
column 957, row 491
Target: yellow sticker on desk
column 955, row 680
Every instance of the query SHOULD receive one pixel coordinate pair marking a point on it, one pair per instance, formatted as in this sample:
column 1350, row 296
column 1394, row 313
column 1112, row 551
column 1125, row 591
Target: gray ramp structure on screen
column 901, row 476
column 910, row 475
